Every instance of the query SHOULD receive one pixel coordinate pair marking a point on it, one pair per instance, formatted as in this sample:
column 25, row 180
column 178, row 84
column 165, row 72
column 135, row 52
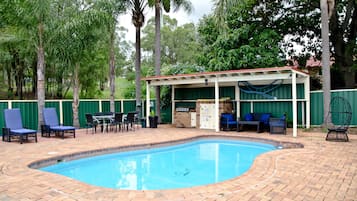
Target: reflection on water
column 182, row 166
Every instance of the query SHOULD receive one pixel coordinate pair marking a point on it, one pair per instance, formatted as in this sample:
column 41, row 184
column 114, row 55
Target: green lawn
column 120, row 85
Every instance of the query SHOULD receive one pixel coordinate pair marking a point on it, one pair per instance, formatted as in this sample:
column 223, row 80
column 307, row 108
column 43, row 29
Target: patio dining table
column 104, row 119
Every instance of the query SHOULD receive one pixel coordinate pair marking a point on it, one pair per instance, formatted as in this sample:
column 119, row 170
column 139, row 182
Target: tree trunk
column 10, row 92
column 344, row 40
column 75, row 104
column 138, row 69
column 34, row 78
column 20, row 79
column 59, row 89
column 157, row 54
column 40, row 76
column 325, row 59
column 112, row 71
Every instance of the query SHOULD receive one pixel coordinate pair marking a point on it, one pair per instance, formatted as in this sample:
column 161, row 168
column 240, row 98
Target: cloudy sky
column 200, row 8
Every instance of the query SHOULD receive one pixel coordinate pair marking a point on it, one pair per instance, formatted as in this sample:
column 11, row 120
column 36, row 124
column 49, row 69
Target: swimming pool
column 190, row 164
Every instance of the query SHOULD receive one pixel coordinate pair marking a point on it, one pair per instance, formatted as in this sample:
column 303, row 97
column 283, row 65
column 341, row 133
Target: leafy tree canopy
column 285, row 24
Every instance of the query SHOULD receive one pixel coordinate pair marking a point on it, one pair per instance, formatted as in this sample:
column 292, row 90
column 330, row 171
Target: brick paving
column 320, row 171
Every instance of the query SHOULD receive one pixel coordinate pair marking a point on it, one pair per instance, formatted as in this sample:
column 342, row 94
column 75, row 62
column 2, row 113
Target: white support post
column 147, row 103
column 61, row 111
column 303, row 120
column 100, row 106
column 294, row 103
column 216, row 98
column 237, row 97
column 307, row 101
column 173, row 104
column 9, row 104
column 122, row 106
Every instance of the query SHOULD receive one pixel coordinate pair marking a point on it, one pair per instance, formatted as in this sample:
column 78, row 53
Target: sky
column 200, row 8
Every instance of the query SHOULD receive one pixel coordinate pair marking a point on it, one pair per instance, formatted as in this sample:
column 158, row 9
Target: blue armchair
column 228, row 121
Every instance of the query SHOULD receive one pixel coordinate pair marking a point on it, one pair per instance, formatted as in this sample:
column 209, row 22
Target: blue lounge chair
column 50, row 119
column 14, row 127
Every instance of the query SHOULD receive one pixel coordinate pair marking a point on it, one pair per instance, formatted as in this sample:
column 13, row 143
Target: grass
column 120, row 86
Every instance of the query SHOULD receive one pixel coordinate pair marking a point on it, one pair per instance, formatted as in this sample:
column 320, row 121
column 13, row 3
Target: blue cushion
column 50, row 117
column 22, row 131
column 13, row 119
column 62, row 128
column 228, row 117
column 283, row 117
column 265, row 118
column 249, row 117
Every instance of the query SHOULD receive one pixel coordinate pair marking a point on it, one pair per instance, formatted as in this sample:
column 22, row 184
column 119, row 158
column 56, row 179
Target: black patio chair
column 117, row 121
column 338, row 119
column 278, row 125
column 130, row 120
column 91, row 123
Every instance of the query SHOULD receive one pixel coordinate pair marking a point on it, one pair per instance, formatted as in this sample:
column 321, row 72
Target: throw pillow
column 249, row 117
column 265, row 118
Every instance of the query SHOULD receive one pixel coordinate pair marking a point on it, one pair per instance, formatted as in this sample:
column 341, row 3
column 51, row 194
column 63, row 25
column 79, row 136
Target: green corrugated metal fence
column 29, row 112
column 186, row 97
column 317, row 104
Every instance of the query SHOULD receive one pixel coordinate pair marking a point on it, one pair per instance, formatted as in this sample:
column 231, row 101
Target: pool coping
column 322, row 170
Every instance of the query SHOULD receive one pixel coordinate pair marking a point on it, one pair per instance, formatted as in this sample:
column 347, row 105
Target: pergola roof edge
column 276, row 70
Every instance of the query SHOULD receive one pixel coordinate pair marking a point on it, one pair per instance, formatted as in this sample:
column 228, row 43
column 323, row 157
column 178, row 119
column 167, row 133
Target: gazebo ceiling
column 255, row 76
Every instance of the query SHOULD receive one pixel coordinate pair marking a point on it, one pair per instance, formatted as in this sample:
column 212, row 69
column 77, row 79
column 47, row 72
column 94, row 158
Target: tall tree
column 112, row 8
column 166, row 4
column 78, row 36
column 245, row 43
column 40, row 11
column 326, row 54
column 343, row 30
column 221, row 8
column 300, row 20
column 32, row 16
column 138, row 19
column 179, row 44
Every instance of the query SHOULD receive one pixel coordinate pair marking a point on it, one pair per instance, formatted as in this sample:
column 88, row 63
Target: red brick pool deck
column 320, row 171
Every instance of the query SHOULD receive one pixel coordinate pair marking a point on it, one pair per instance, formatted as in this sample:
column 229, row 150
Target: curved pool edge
column 95, row 152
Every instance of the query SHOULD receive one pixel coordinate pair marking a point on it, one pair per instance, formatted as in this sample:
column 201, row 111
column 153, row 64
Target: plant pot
column 153, row 121
column 143, row 122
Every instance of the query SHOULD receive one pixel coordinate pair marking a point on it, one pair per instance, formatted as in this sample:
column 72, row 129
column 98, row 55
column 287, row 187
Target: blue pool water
column 191, row 164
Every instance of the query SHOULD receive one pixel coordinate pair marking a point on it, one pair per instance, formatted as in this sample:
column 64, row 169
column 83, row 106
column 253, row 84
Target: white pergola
column 258, row 76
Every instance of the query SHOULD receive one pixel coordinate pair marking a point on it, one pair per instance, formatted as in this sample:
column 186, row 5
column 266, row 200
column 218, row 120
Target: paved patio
column 319, row 171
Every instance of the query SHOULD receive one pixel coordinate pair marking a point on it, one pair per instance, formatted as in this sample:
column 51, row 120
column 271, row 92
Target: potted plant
column 153, row 119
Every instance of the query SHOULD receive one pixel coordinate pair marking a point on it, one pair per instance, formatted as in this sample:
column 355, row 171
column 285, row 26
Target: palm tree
column 138, row 19
column 220, row 11
column 112, row 8
column 166, row 4
column 40, row 12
